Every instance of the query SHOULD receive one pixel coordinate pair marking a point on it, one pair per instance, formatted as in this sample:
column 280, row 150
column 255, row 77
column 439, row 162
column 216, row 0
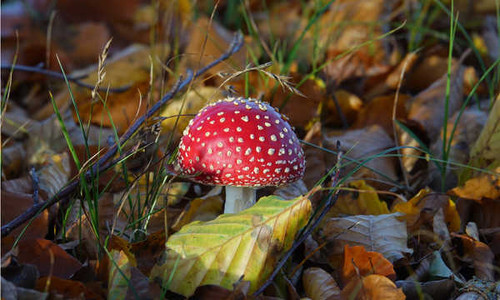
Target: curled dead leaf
column 319, row 285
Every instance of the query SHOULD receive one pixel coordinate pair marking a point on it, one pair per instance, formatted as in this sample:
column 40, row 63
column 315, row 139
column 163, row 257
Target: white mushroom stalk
column 242, row 144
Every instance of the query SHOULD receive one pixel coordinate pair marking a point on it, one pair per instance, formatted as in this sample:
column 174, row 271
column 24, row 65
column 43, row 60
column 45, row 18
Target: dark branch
column 101, row 164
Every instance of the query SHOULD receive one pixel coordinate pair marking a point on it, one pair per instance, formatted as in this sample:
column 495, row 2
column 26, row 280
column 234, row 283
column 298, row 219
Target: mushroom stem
column 239, row 198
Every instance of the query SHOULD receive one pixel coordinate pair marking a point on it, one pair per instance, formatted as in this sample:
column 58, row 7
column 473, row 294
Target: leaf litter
column 416, row 211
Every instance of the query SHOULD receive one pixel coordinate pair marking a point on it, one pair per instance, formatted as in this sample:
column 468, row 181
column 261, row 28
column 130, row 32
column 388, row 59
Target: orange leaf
column 358, row 260
column 372, row 287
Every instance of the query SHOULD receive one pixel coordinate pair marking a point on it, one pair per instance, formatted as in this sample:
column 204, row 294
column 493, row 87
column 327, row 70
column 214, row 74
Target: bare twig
column 54, row 74
column 101, row 164
column 330, row 201
column 36, row 185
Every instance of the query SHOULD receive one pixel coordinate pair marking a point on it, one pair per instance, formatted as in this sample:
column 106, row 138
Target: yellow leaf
column 362, row 201
column 483, row 186
column 220, row 252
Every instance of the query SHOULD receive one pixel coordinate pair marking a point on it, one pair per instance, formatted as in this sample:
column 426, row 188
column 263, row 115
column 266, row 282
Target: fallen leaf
column 199, row 209
column 484, row 153
column 439, row 270
column 377, row 112
column 240, row 291
column 383, row 233
column 482, row 186
column 359, row 198
column 468, row 128
column 478, row 254
column 438, row 289
column 359, row 262
column 379, row 170
column 21, row 275
column 429, row 203
column 349, row 105
column 221, row 251
column 146, row 252
column 66, row 289
column 372, row 287
column 208, row 40
column 319, row 285
column 48, row 257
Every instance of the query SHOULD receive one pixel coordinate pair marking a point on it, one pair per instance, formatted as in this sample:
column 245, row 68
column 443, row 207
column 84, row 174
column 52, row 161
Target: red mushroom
column 242, row 144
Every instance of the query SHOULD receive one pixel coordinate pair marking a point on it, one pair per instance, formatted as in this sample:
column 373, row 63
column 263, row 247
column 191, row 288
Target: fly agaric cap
column 241, row 142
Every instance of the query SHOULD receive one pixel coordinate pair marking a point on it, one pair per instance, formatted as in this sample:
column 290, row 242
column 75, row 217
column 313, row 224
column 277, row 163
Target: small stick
column 54, row 74
column 101, row 164
column 331, row 200
column 36, row 185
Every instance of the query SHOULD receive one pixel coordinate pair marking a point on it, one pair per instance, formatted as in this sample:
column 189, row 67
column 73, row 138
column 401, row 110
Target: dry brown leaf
column 379, row 112
column 350, row 105
column 358, row 261
column 208, row 40
column 147, row 251
column 430, row 69
column 361, row 144
column 427, row 108
column 319, row 285
column 420, row 210
column 477, row 253
column 372, row 287
column 49, row 258
column 346, row 25
column 67, row 289
column 315, row 157
column 83, row 10
column 88, row 42
column 383, row 233
column 240, row 291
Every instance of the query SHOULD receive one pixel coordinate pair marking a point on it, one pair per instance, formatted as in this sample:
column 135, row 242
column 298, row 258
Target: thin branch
column 331, row 200
column 54, row 74
column 101, row 164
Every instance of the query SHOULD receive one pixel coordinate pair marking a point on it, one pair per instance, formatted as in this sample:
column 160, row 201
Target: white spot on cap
column 220, row 145
column 258, row 149
column 231, row 139
column 207, row 133
column 248, row 151
column 238, row 129
column 228, row 175
column 220, row 113
column 252, row 136
column 266, row 171
column 270, row 151
column 282, row 135
column 248, row 106
column 273, row 138
column 267, row 124
column 256, row 170
column 260, row 127
column 226, row 129
column 238, row 149
column 290, row 151
column 244, row 118
column 209, row 151
column 287, row 170
column 239, row 161
column 228, row 153
column 277, row 121
column 240, row 140
column 257, row 117
column 277, row 170
column 262, row 139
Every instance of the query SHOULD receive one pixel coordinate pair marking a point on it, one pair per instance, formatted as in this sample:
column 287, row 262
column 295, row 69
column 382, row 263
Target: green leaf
column 222, row 251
